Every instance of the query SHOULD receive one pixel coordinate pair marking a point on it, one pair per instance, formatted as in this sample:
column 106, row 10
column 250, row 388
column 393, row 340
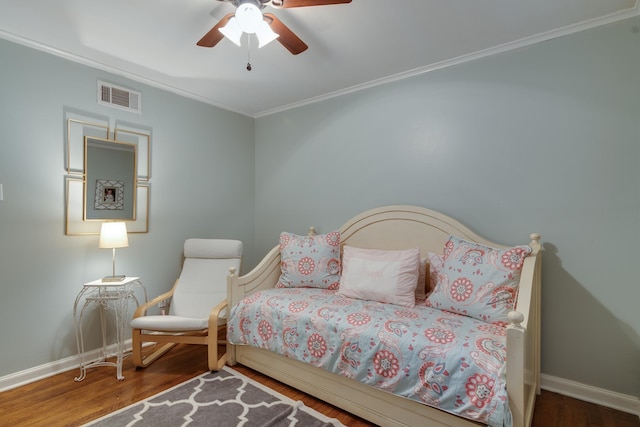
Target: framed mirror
column 99, row 183
column 110, row 169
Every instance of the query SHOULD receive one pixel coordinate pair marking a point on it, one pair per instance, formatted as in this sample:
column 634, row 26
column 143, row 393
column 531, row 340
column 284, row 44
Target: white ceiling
column 351, row 46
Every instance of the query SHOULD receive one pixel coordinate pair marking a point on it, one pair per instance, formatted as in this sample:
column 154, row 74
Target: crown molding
column 524, row 42
column 527, row 41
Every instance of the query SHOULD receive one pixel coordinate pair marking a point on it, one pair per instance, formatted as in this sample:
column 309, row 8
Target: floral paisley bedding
column 442, row 359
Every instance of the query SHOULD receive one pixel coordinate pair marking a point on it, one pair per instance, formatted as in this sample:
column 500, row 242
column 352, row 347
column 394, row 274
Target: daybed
column 363, row 386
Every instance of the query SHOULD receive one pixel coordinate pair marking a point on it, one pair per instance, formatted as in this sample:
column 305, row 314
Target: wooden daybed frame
column 403, row 227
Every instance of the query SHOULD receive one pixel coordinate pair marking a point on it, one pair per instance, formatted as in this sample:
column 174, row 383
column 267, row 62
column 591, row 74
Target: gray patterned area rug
column 222, row 399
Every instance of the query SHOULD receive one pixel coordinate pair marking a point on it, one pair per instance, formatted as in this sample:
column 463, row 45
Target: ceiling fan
column 249, row 18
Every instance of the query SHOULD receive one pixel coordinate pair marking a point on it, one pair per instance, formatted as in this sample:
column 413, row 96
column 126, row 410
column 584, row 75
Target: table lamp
column 113, row 235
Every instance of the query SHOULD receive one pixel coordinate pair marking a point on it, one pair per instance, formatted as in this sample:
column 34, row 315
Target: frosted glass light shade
column 232, row 31
column 265, row 34
column 249, row 17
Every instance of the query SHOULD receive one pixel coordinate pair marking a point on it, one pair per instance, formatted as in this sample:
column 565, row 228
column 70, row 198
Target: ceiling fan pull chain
column 248, row 52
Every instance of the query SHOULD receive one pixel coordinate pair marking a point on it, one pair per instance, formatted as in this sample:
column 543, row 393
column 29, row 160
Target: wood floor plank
column 59, row 401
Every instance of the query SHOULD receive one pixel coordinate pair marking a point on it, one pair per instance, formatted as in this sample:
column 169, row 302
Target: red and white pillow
column 476, row 280
column 310, row 261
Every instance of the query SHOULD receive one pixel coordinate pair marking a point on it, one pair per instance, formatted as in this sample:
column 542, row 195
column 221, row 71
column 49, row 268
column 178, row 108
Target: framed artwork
column 109, row 195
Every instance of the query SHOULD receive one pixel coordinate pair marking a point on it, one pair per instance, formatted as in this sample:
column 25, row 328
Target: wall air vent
column 119, row 97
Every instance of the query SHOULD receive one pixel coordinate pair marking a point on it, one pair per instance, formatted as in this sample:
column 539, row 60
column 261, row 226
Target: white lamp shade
column 232, row 31
column 265, row 34
column 249, row 17
column 113, row 235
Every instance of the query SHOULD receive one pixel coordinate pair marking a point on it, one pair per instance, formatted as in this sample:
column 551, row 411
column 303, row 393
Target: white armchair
column 197, row 303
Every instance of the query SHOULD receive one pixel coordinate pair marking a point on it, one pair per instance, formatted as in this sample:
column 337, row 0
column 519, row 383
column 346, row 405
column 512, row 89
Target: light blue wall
column 201, row 186
column 544, row 139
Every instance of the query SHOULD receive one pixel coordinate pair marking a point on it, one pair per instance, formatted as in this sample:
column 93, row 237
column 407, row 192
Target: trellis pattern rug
column 222, row 399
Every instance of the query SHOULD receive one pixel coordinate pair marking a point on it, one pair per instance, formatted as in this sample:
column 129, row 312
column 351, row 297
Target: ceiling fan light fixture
column 248, row 19
column 232, row 31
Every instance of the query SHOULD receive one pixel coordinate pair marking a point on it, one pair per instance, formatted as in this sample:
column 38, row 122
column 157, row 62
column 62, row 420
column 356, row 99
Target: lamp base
column 119, row 278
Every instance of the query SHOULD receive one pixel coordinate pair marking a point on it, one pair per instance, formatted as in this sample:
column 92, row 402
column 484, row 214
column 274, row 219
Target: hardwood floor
column 60, row 401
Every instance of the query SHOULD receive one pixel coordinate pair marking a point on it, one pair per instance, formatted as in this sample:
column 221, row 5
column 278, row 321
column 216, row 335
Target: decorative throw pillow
column 476, row 280
column 310, row 261
column 379, row 275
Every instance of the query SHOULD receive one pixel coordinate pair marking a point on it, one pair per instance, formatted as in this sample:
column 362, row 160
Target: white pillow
column 380, row 275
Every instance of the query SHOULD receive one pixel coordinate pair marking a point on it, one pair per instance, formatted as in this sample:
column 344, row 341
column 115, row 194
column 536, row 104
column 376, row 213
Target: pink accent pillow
column 310, row 261
column 379, row 275
column 476, row 280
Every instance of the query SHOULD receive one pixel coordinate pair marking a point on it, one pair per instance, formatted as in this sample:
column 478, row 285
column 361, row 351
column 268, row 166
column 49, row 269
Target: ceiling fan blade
column 214, row 36
column 286, row 37
column 303, row 3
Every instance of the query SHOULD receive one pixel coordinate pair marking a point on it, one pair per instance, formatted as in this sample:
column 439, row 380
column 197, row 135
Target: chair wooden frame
column 170, row 339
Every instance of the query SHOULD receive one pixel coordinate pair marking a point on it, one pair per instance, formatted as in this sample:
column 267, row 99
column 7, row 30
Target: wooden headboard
column 404, row 227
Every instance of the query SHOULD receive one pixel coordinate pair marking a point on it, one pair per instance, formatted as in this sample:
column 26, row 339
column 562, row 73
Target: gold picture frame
column 77, row 130
column 143, row 142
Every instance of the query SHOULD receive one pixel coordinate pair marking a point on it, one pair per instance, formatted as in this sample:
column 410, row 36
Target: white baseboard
column 599, row 396
column 57, row 367
column 569, row 388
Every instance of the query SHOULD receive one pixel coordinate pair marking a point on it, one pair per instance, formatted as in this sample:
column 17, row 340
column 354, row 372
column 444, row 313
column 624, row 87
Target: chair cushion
column 196, row 298
column 202, row 285
column 170, row 323
column 212, row 248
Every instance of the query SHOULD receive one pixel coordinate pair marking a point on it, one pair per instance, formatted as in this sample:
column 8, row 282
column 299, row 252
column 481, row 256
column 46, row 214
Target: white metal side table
column 106, row 296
